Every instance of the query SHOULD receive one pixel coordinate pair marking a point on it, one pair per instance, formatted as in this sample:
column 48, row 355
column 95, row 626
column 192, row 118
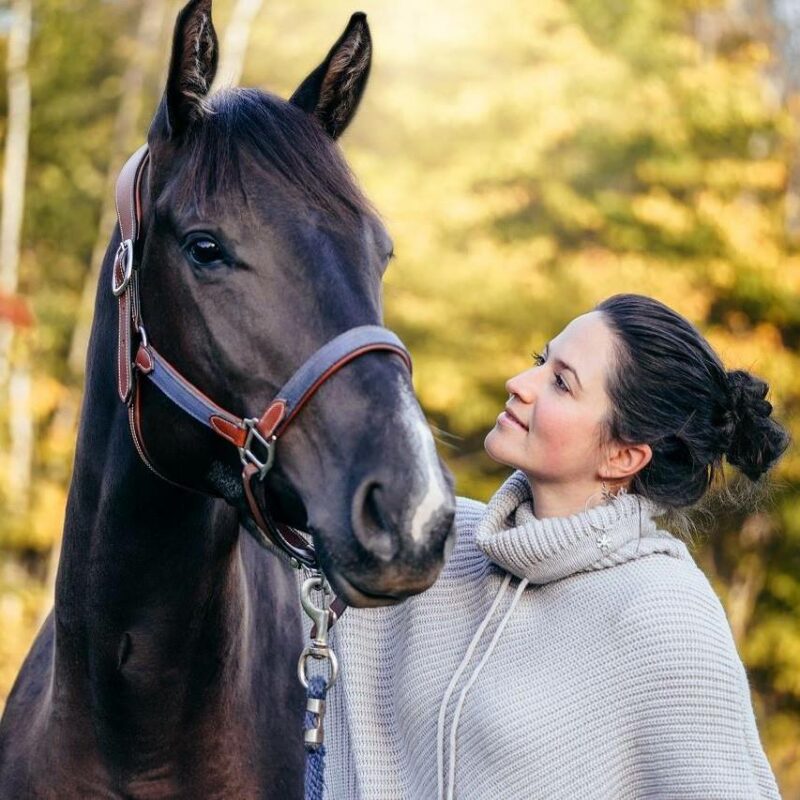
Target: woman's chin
column 497, row 449
column 490, row 443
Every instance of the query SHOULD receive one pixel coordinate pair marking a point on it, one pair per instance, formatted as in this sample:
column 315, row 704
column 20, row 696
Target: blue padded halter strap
column 325, row 362
column 329, row 359
column 172, row 384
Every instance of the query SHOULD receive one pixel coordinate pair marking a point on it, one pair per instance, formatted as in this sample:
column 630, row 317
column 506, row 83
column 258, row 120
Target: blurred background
column 529, row 158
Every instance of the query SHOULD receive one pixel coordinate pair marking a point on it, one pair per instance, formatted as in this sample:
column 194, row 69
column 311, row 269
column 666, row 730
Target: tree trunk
column 145, row 50
column 786, row 16
column 15, row 165
column 234, row 47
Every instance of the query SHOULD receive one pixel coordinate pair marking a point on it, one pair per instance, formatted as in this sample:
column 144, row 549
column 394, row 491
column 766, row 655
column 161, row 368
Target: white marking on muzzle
column 433, row 488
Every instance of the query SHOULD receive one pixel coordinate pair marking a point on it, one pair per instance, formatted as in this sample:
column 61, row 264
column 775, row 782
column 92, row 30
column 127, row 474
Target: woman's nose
column 522, row 385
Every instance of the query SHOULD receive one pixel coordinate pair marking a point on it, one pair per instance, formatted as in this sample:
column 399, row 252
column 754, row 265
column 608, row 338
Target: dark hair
column 669, row 389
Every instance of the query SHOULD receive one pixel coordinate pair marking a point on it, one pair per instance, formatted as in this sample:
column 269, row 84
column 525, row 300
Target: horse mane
column 249, row 130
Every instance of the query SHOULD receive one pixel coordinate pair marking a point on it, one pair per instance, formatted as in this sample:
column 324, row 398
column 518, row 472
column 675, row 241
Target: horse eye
column 203, row 251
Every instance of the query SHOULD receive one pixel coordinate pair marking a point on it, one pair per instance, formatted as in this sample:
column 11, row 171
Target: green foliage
column 529, row 159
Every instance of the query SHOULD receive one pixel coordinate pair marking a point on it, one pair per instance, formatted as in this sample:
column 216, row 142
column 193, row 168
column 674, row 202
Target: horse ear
column 331, row 93
column 192, row 67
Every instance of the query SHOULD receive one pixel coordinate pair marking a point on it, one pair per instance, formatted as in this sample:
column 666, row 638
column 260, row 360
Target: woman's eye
column 538, row 359
column 203, row 251
column 561, row 383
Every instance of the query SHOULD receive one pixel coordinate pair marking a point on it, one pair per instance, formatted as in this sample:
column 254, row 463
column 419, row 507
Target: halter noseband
column 254, row 437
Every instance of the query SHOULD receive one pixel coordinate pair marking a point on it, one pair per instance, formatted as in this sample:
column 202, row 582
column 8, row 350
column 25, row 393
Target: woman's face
column 551, row 428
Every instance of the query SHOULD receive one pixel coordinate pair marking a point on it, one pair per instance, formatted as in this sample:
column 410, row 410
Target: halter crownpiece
column 255, row 437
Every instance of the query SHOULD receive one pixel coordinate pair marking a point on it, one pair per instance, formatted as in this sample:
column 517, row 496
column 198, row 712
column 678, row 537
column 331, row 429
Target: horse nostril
column 370, row 526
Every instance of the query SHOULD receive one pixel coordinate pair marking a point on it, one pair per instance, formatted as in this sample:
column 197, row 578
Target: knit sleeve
column 691, row 718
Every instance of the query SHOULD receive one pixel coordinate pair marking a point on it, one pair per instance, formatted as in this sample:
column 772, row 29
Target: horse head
column 256, row 248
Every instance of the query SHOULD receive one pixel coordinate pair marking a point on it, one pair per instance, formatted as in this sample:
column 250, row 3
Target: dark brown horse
column 168, row 666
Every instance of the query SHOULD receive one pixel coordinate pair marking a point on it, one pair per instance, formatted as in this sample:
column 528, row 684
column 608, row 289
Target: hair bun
column 756, row 441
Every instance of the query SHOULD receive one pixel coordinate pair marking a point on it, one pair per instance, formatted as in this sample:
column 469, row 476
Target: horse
column 167, row 667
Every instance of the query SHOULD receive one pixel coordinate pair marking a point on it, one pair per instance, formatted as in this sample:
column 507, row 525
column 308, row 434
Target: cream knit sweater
column 570, row 658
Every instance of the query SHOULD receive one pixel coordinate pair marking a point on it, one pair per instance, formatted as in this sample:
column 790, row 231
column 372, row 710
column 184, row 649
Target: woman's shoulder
column 672, row 612
column 468, row 513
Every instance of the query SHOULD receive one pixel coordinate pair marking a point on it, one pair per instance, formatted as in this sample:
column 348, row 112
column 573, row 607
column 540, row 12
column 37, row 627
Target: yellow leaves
column 745, row 225
column 497, row 201
column 757, row 53
column 730, row 174
column 572, row 210
column 759, row 348
column 442, row 384
column 22, row 600
column 777, row 642
column 41, row 526
column 786, row 276
column 47, row 392
column 721, row 274
column 600, row 273
column 779, row 734
column 47, row 517
column 675, row 172
column 659, row 209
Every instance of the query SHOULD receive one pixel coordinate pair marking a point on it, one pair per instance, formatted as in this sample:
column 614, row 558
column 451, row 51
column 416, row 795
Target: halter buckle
column 125, row 256
column 248, row 456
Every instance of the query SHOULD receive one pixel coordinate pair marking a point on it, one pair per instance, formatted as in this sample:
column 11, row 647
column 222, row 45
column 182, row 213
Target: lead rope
column 316, row 686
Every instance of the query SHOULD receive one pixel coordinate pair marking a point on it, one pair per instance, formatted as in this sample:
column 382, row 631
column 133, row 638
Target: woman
column 572, row 649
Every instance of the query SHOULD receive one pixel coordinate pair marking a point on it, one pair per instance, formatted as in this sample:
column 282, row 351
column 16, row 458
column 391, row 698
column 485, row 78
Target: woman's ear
column 623, row 461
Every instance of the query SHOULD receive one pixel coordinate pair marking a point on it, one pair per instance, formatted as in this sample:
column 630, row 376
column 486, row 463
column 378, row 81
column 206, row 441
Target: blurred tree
column 144, row 55
column 233, row 48
column 15, row 377
column 785, row 16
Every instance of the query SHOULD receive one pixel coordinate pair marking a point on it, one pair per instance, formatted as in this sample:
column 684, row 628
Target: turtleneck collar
column 545, row 550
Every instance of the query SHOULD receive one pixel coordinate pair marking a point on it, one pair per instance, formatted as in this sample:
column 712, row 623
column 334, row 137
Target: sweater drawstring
column 451, row 777
column 462, row 697
column 454, row 680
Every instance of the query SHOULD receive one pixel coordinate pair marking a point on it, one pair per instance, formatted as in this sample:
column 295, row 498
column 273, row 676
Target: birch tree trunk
column 786, row 15
column 233, row 49
column 145, row 50
column 15, row 164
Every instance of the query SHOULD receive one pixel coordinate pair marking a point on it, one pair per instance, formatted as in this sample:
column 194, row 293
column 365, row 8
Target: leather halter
column 254, row 437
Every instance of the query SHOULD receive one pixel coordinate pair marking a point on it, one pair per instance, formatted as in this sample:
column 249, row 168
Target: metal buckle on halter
column 248, row 456
column 125, row 251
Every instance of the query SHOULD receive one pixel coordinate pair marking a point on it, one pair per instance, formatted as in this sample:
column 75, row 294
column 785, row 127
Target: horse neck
column 150, row 597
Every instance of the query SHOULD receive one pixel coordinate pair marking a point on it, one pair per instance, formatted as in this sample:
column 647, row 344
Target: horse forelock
column 249, row 135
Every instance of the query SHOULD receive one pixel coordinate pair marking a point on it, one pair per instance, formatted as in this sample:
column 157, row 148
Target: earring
column 609, row 497
column 606, row 493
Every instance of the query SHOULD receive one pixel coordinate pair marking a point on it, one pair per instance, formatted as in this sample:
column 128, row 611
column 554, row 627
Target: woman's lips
column 509, row 419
